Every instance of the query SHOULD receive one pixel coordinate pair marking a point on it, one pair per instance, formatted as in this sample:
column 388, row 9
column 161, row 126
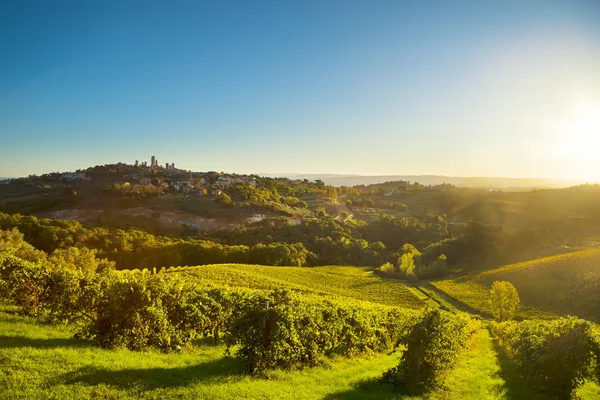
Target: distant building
column 74, row 175
column 137, row 163
column 145, row 181
column 223, row 181
column 172, row 165
column 152, row 161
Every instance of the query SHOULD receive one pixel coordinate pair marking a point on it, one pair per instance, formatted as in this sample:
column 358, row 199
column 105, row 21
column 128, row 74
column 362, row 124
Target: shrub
column 387, row 268
column 432, row 347
column 291, row 332
column 556, row 356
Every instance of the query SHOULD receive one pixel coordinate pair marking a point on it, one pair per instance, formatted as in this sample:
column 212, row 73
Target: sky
column 461, row 88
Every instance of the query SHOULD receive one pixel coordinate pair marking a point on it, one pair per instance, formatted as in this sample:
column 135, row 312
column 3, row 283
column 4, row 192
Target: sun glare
column 578, row 136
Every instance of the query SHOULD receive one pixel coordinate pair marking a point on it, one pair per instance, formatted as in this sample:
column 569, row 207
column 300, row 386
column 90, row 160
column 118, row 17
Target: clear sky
column 464, row 88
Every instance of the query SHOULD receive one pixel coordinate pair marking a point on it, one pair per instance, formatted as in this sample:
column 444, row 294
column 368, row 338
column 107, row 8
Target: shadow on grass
column 153, row 378
column 516, row 386
column 372, row 389
column 11, row 342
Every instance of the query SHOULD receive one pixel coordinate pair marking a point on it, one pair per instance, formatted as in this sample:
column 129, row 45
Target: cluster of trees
column 410, row 266
column 136, row 249
column 64, row 197
column 263, row 198
column 313, row 241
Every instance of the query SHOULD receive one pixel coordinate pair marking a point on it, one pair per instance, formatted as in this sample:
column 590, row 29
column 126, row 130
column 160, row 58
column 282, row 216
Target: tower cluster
column 154, row 164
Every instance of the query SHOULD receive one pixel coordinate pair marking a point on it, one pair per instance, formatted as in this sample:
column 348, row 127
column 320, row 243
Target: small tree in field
column 504, row 300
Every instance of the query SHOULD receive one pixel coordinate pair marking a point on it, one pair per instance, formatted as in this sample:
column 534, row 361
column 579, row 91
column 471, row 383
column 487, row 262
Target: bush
column 432, row 347
column 387, row 268
column 156, row 311
column 556, row 356
column 291, row 332
column 436, row 269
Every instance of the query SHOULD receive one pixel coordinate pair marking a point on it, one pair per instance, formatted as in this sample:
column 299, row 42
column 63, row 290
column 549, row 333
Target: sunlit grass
column 43, row 362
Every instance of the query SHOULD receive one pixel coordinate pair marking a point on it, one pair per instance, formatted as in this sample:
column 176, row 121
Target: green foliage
column 387, row 268
column 432, row 347
column 139, row 310
column 504, row 300
column 555, row 356
column 80, row 258
column 224, row 200
column 283, row 331
column 137, row 249
column 436, row 269
column 408, row 261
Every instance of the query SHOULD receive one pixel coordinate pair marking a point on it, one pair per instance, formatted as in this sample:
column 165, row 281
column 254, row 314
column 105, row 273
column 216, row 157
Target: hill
column 459, row 181
column 562, row 284
column 352, row 282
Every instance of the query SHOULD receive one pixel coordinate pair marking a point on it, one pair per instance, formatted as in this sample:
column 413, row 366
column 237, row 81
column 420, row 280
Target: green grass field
column 44, row 362
column 353, row 282
column 563, row 284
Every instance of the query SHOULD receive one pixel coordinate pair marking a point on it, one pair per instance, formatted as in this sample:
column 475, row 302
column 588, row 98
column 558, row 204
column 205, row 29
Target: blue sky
column 471, row 88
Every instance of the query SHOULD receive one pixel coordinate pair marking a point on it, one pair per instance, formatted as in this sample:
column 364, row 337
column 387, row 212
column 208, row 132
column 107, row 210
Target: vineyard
column 249, row 326
column 566, row 284
column 348, row 282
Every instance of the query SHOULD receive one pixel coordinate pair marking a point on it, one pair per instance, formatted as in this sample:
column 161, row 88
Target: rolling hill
column 562, row 284
column 352, row 282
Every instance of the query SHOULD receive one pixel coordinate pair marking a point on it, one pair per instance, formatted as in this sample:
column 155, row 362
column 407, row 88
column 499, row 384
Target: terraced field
column 563, row 284
column 353, row 282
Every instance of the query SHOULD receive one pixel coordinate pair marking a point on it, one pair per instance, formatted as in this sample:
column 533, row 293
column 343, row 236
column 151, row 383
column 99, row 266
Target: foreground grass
column 353, row 282
column 44, row 362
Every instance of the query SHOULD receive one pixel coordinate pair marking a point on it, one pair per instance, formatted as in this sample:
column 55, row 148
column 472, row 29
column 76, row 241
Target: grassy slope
column 351, row 282
column 564, row 284
column 41, row 361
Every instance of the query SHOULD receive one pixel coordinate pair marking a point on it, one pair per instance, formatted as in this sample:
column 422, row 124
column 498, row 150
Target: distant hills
column 471, row 182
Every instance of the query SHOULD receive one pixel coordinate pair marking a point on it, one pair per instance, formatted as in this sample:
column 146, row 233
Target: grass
column 40, row 361
column 550, row 286
column 353, row 282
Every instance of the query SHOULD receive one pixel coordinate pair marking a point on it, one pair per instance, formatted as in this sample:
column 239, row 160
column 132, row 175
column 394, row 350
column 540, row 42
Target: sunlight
column 578, row 136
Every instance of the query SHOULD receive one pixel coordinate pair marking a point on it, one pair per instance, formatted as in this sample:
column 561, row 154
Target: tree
column 407, row 266
column 504, row 300
column 225, row 200
column 409, row 261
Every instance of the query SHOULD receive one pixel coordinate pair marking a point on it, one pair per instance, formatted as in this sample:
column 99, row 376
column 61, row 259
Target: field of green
column 563, row 284
column 41, row 361
column 353, row 282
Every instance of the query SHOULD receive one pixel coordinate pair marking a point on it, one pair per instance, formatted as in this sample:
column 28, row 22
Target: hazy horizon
column 463, row 89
